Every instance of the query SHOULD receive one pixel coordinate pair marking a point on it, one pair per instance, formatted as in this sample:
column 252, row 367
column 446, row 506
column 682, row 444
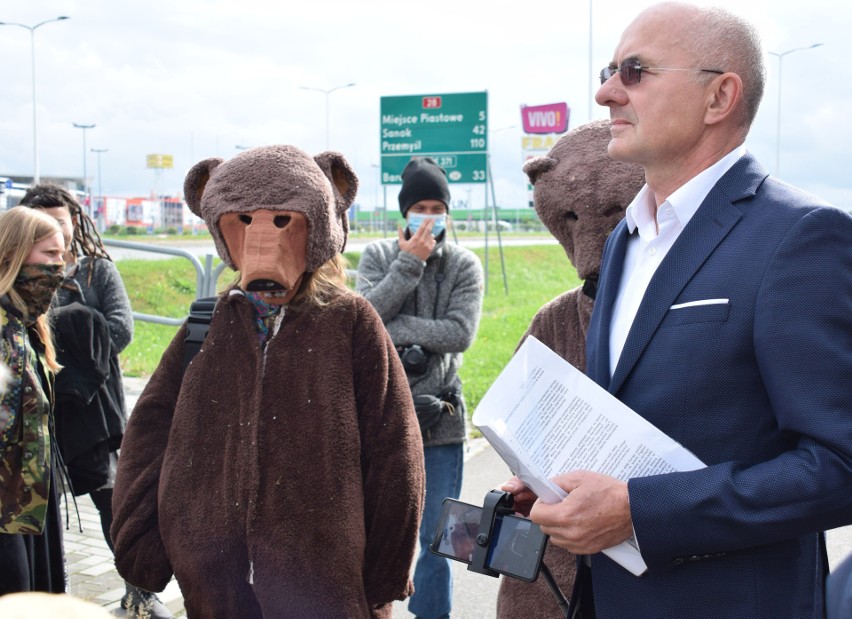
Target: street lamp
column 32, row 30
column 591, row 68
column 85, row 177
column 778, row 127
column 376, row 201
column 102, row 211
column 327, row 93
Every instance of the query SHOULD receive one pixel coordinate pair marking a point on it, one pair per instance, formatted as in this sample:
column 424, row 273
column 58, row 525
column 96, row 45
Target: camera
column 414, row 359
column 515, row 548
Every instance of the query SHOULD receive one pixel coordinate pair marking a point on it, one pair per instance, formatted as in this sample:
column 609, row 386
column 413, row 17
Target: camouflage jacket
column 25, row 428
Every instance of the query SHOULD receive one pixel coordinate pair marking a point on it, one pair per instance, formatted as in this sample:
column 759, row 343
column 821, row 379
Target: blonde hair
column 20, row 229
column 318, row 287
column 322, row 285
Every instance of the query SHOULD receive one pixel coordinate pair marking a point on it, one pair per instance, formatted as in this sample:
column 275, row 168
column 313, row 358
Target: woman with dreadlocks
column 93, row 323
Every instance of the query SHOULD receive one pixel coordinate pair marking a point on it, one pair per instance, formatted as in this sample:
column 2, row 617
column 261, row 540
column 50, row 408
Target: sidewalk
column 91, row 572
column 93, row 577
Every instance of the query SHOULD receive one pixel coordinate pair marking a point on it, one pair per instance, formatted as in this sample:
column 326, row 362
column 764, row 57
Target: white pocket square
column 701, row 302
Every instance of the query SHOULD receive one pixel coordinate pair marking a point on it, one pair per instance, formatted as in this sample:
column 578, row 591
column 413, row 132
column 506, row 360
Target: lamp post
column 85, row 177
column 376, row 200
column 327, row 93
column 32, row 29
column 102, row 211
column 778, row 126
column 491, row 178
column 591, row 68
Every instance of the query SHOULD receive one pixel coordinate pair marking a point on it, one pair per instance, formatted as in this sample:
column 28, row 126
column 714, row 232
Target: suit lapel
column 612, row 266
column 711, row 223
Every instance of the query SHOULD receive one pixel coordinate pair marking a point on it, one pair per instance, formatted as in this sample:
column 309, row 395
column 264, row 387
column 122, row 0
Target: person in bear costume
column 282, row 474
column 580, row 194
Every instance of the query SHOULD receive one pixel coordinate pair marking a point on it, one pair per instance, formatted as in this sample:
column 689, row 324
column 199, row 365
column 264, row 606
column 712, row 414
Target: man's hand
column 523, row 496
column 595, row 514
column 421, row 242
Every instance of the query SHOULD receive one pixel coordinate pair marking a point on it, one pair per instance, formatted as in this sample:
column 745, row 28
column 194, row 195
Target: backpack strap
column 197, row 326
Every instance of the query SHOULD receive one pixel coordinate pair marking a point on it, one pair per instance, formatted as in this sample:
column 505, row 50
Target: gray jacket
column 105, row 293
column 417, row 309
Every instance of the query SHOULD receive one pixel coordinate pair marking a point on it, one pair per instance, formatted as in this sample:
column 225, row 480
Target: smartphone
column 516, row 548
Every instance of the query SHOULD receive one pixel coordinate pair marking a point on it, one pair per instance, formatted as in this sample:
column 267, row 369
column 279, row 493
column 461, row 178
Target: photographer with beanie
column 429, row 296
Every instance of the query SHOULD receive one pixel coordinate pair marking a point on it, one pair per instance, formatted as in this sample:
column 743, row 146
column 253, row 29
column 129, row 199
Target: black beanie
column 423, row 179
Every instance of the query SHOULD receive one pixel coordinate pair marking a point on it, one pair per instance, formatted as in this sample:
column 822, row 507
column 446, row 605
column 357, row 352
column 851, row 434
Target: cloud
column 197, row 78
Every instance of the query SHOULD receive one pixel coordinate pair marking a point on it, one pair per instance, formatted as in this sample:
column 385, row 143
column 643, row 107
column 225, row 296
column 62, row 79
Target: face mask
column 415, row 220
column 36, row 284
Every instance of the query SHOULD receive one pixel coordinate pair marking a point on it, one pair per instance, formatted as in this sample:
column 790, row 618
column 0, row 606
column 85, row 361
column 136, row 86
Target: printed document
column 545, row 417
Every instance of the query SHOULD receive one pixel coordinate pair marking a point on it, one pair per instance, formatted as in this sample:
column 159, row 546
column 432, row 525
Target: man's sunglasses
column 631, row 71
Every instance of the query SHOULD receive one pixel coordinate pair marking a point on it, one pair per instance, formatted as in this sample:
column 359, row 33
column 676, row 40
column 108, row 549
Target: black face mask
column 36, row 284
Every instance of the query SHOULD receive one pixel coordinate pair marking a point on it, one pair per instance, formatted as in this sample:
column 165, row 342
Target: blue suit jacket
column 759, row 388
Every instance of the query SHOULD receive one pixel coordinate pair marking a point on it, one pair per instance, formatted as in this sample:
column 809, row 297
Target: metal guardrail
column 206, row 275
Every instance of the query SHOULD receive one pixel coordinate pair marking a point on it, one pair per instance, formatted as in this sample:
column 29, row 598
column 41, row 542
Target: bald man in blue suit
column 723, row 317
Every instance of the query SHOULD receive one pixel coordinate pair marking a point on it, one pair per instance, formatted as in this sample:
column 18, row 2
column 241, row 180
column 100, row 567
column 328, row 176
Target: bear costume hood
column 277, row 178
column 580, row 193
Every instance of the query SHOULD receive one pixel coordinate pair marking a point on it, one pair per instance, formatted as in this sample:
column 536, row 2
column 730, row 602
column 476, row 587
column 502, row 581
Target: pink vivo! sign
column 550, row 118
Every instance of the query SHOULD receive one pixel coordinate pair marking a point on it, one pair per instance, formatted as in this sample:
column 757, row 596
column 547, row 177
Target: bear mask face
column 269, row 248
column 581, row 193
column 279, row 179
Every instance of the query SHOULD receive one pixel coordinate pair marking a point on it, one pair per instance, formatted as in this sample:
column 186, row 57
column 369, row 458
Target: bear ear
column 196, row 181
column 342, row 178
column 537, row 166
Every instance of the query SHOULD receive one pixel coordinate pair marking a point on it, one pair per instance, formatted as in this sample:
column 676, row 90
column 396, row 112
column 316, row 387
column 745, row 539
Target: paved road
column 200, row 248
column 474, row 595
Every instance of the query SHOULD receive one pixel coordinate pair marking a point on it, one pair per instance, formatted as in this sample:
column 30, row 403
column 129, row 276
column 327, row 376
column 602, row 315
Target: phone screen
column 457, row 530
column 517, row 547
column 517, row 544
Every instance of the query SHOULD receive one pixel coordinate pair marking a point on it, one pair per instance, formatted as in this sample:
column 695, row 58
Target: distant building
column 151, row 214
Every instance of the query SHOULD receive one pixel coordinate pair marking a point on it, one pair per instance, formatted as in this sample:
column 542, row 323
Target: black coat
column 90, row 419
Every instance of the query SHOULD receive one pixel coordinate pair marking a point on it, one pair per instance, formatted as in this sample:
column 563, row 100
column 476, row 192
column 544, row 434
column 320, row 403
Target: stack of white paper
column 545, row 417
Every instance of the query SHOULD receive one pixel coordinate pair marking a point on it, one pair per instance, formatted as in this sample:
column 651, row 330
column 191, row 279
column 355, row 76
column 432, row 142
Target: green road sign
column 450, row 128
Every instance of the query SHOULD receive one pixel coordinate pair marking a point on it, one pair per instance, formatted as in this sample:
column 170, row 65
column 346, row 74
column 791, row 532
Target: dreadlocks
column 85, row 240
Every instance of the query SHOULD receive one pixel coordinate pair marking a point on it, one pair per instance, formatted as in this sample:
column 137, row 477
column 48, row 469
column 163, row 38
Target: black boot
column 143, row 604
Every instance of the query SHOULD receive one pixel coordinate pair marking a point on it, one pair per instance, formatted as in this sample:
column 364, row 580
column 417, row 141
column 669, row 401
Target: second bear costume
column 580, row 195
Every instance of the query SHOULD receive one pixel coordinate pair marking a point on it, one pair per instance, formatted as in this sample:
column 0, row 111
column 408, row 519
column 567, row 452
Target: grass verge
column 534, row 275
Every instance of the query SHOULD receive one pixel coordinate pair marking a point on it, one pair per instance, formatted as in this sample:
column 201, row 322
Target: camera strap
column 440, row 275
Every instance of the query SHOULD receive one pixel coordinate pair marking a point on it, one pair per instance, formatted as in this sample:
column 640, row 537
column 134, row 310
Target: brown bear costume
column 282, row 475
column 580, row 195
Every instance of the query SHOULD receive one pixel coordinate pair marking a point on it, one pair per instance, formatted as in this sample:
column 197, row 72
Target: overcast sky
column 195, row 79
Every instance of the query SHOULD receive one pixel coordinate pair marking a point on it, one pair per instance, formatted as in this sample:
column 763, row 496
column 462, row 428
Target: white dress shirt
column 646, row 251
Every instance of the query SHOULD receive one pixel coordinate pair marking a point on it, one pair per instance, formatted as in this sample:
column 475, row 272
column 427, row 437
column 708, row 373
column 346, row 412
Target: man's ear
column 196, row 181
column 725, row 97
